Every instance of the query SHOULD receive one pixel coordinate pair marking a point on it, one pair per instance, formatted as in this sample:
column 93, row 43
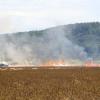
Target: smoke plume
column 36, row 47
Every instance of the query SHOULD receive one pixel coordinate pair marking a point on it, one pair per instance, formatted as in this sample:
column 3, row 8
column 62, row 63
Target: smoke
column 57, row 46
column 20, row 55
column 36, row 48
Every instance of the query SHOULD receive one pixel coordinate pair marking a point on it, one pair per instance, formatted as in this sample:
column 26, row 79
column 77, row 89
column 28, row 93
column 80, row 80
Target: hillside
column 75, row 42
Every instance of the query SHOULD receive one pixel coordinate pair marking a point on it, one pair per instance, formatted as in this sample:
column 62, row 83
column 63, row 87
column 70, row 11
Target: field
column 50, row 84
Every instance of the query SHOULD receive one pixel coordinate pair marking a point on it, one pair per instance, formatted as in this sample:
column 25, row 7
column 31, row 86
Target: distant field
column 50, row 84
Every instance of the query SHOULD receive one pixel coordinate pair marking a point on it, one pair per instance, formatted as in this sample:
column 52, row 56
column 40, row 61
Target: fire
column 55, row 63
column 91, row 64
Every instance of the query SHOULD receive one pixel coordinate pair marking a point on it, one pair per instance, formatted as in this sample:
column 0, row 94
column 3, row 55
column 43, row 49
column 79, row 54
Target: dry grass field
column 50, row 84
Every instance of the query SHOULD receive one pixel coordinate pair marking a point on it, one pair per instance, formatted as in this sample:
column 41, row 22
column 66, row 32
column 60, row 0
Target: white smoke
column 23, row 48
column 58, row 46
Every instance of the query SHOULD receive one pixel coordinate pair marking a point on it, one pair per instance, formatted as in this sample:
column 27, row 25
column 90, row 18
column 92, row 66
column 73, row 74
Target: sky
column 25, row 15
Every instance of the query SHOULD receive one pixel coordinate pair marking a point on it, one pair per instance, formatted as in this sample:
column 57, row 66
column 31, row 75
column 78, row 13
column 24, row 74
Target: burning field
column 50, row 84
column 58, row 63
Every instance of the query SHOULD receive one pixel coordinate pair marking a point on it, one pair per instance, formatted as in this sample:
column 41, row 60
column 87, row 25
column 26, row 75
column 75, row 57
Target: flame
column 55, row 63
column 91, row 64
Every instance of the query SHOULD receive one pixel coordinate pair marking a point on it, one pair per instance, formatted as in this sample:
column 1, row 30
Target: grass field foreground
column 50, row 84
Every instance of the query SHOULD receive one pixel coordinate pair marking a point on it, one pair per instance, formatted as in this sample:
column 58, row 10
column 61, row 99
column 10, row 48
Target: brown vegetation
column 50, row 84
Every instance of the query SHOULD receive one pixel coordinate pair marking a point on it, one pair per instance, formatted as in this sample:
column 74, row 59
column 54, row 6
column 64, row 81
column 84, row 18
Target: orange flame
column 55, row 63
column 91, row 64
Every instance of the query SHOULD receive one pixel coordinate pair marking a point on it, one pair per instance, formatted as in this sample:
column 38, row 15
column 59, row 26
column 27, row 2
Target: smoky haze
column 37, row 47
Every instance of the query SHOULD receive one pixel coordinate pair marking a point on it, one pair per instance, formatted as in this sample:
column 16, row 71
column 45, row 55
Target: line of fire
column 53, row 64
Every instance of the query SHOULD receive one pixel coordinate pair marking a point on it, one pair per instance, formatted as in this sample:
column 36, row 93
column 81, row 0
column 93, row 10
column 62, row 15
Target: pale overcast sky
column 24, row 15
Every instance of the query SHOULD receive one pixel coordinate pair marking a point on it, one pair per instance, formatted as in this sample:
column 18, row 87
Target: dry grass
column 50, row 84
